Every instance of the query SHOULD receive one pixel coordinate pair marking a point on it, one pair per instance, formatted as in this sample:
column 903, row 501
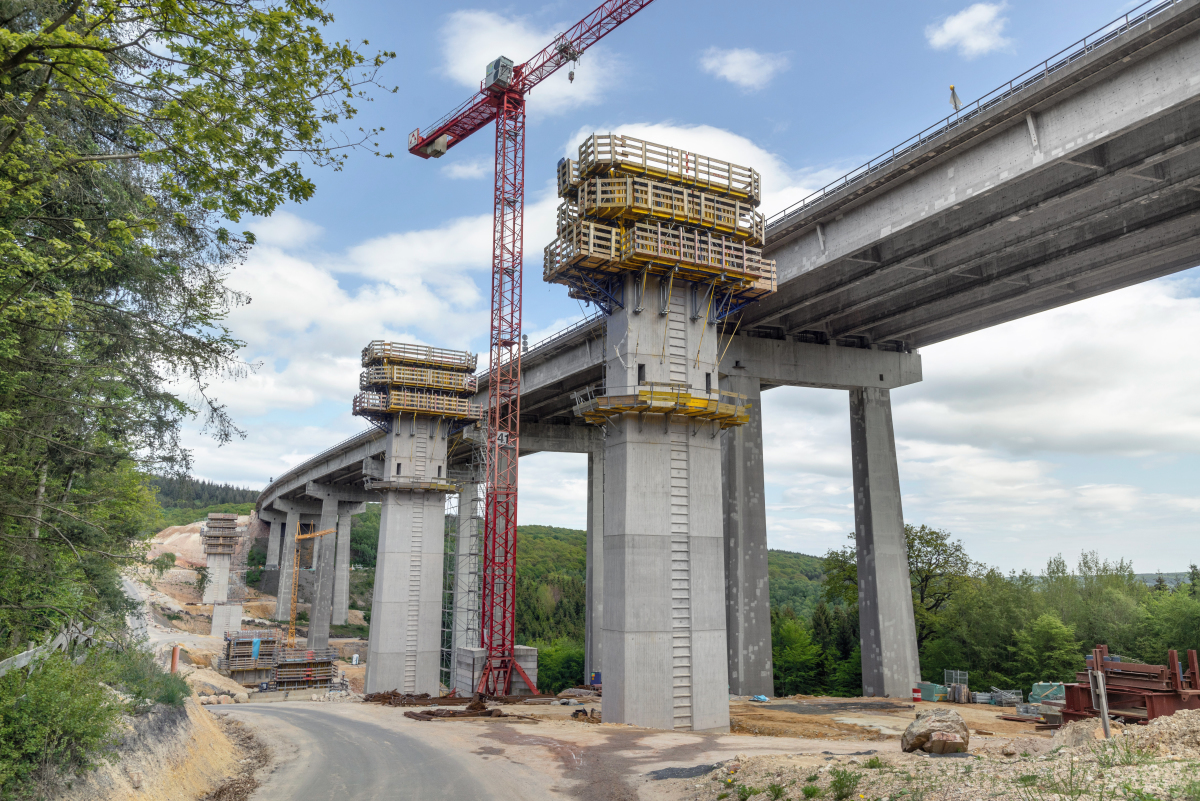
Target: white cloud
column 285, row 230
column 472, row 39
column 748, row 69
column 467, row 170
column 975, row 31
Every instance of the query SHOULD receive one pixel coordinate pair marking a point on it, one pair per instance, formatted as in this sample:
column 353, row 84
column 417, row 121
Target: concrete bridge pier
column 333, row 501
column 274, row 522
column 594, row 576
column 294, row 511
column 341, row 577
column 747, row 600
column 468, row 551
column 404, row 651
column 885, row 611
column 665, row 662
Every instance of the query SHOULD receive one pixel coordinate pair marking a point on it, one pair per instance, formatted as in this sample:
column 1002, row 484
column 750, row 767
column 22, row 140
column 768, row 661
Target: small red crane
column 501, row 98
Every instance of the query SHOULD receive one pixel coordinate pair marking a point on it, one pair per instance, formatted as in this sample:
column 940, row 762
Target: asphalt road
column 321, row 755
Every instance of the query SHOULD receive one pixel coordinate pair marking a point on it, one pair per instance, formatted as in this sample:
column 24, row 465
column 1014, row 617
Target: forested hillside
column 192, row 493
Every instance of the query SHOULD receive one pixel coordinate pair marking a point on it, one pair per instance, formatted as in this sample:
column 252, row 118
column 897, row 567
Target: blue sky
column 1042, row 436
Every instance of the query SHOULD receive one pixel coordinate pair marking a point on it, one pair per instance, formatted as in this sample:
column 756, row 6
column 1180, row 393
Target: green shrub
column 811, row 791
column 138, row 675
column 843, row 783
column 875, row 763
column 776, row 791
column 560, row 665
column 60, row 716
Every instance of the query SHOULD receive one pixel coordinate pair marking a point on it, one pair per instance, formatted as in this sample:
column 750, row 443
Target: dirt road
column 364, row 751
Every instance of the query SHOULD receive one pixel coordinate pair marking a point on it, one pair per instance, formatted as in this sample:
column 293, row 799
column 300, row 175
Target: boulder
column 225, row 699
column 919, row 733
column 242, row 698
column 941, row 742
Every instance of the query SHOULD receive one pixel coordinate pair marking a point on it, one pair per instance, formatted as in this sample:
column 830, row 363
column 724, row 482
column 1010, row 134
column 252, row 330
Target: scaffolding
column 249, row 657
column 304, row 669
column 631, row 206
column 449, row 561
column 400, row 378
column 219, row 535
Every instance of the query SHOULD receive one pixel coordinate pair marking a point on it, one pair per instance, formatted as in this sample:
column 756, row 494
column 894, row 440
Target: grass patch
column 350, row 630
column 1029, row 780
column 812, row 777
column 1119, row 751
column 811, row 791
column 875, row 763
column 843, row 783
column 776, row 791
column 744, row 792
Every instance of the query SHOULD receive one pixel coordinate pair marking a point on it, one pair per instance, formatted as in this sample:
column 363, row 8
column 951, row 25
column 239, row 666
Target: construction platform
column 399, row 378
column 220, row 533
column 249, row 657
column 665, row 399
column 604, row 153
column 304, row 669
column 632, row 206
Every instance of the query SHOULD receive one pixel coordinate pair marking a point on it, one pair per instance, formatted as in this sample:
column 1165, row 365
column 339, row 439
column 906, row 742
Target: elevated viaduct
column 1077, row 178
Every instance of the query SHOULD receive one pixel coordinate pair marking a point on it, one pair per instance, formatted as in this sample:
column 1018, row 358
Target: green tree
column 1046, row 650
column 1193, row 580
column 795, row 658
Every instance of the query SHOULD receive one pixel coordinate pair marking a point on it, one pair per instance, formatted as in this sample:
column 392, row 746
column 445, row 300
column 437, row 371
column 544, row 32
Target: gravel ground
column 1159, row 762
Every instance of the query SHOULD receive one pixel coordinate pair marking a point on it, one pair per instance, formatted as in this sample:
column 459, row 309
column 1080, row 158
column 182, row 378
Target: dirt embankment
column 171, row 754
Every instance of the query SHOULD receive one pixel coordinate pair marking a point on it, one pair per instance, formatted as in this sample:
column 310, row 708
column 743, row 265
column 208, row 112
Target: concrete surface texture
column 226, row 617
column 217, row 589
column 406, row 610
column 665, row 662
column 744, row 507
column 593, row 617
column 467, row 575
column 885, row 611
column 341, row 577
column 469, row 662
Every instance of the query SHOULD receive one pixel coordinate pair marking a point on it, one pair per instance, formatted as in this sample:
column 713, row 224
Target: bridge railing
column 1021, row 83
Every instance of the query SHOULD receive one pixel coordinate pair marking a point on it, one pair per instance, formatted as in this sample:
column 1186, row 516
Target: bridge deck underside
column 1126, row 211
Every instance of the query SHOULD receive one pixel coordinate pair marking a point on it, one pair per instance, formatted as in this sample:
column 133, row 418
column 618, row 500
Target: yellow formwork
column 606, row 153
column 424, row 378
column 379, row 353
column 635, row 198
column 679, row 401
column 692, row 255
column 405, row 400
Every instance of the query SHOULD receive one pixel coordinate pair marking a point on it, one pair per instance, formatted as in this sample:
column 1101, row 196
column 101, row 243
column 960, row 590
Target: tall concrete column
column 322, row 605
column 404, row 652
column 594, row 613
column 275, row 526
column 747, row 600
column 467, row 570
column 888, row 629
column 283, row 603
column 664, row 650
column 341, row 576
column 217, row 589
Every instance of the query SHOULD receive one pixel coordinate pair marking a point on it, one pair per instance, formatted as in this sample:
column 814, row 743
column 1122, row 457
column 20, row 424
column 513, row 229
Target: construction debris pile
column 1133, row 692
column 631, row 206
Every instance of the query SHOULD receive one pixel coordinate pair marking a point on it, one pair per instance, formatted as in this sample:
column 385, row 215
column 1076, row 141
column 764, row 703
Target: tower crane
column 501, row 98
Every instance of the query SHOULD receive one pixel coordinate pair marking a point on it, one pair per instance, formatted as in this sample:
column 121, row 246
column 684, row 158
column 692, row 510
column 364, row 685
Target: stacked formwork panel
column 249, row 657
column 668, row 243
column 635, row 206
column 220, row 539
column 417, row 394
column 303, row 669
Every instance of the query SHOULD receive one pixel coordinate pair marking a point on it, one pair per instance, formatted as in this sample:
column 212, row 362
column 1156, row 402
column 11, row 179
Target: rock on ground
column 947, row 722
column 1082, row 732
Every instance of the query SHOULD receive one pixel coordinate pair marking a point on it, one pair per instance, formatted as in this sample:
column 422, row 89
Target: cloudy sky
column 1072, row 430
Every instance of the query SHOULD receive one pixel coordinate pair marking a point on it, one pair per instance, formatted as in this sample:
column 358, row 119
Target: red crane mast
column 501, row 98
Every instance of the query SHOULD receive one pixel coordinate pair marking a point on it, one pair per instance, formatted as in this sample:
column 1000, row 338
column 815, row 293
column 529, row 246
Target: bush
column 843, row 783
column 139, row 676
column 560, row 665
column 59, row 717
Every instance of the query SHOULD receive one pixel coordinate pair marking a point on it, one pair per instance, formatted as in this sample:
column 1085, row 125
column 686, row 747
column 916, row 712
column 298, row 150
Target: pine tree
column 823, row 626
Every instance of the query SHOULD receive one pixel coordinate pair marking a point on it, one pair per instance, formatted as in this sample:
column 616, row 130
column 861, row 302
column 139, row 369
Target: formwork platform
column 385, row 374
column 414, row 379
column 404, row 400
column 249, row 657
column 379, row 352
column 301, row 669
column 220, row 533
column 637, row 207
column 726, row 408
column 628, row 197
column 605, row 153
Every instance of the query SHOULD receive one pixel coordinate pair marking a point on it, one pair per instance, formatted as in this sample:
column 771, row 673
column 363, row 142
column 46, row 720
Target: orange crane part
column 291, row 638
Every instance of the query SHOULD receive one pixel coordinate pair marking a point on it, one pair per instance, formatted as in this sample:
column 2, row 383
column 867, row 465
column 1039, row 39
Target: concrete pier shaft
column 275, row 527
column 322, row 605
column 341, row 575
column 217, row 589
column 747, row 599
column 287, row 555
column 404, row 650
column 663, row 640
column 468, row 548
column 890, row 662
column 594, row 611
